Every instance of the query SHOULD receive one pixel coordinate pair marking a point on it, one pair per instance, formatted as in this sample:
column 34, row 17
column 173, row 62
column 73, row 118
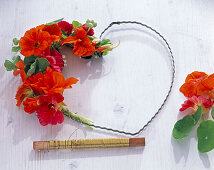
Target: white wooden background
column 122, row 90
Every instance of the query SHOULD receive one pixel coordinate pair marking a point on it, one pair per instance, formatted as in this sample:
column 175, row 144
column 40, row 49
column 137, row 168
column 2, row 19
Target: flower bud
column 107, row 47
column 96, row 41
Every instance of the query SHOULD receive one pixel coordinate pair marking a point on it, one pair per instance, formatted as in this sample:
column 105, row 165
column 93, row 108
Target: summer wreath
column 40, row 70
column 43, row 83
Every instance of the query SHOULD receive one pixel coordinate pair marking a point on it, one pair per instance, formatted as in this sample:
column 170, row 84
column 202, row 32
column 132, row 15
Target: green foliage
column 64, row 35
column 15, row 41
column 42, row 64
column 76, row 117
column 90, row 23
column 205, row 133
column 30, row 59
column 76, row 24
column 185, row 125
column 35, row 65
column 54, row 22
column 32, row 69
column 16, row 59
column 105, row 52
column 16, row 49
column 103, row 42
column 212, row 112
column 11, row 64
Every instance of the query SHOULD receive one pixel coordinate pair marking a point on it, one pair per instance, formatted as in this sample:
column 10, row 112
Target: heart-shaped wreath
column 40, row 71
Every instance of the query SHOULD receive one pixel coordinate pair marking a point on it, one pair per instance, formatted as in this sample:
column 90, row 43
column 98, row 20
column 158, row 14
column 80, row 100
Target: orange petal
column 20, row 64
column 16, row 72
column 80, row 33
column 195, row 75
column 69, row 40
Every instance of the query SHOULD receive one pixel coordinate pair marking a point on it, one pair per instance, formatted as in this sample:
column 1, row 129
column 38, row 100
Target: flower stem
column 75, row 117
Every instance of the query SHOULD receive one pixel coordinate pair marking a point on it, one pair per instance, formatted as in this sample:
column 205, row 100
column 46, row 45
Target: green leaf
column 76, row 24
column 205, row 133
column 30, row 60
column 54, row 22
column 103, row 42
column 105, row 52
column 212, row 112
column 64, row 35
column 16, row 49
column 185, row 125
column 42, row 64
column 9, row 65
column 32, row 69
column 16, row 59
column 15, row 41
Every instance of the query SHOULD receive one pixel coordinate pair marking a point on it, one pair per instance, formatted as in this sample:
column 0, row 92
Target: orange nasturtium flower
column 30, row 105
column 36, row 40
column 22, row 92
column 82, row 44
column 20, row 65
column 55, row 82
column 54, row 30
column 50, row 82
column 197, row 83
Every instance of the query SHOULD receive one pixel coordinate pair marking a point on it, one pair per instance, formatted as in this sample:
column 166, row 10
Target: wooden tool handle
column 88, row 143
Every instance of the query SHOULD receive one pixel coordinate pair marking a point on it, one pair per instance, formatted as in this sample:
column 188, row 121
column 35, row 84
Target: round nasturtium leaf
column 205, row 133
column 184, row 126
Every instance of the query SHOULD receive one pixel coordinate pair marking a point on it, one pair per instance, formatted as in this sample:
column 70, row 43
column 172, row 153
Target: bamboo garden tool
column 88, row 143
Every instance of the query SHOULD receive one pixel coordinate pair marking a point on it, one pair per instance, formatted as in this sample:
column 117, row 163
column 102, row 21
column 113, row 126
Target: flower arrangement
column 199, row 90
column 42, row 87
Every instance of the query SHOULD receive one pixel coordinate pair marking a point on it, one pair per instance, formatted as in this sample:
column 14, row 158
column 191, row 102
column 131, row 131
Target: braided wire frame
column 168, row 93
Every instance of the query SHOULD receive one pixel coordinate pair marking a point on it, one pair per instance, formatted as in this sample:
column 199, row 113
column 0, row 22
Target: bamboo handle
column 88, row 143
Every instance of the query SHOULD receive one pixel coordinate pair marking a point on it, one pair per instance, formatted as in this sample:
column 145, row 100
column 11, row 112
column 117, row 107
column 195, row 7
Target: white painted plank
column 122, row 91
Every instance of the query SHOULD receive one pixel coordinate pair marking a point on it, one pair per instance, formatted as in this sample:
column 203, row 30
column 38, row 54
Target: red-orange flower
column 54, row 31
column 20, row 65
column 34, row 42
column 55, row 82
column 30, row 105
column 195, row 101
column 192, row 85
column 22, row 92
column 48, row 111
column 35, row 82
column 50, row 82
column 82, row 44
column 198, row 83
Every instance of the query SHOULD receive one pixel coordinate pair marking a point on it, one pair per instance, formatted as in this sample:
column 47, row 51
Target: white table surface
column 122, row 90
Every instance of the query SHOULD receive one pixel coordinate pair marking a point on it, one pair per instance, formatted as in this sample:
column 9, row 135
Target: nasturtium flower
column 50, row 82
column 192, row 85
column 22, row 92
column 48, row 110
column 66, row 27
column 20, row 66
column 34, row 42
column 55, row 82
column 30, row 105
column 89, row 31
column 35, row 82
column 54, row 30
column 54, row 58
column 82, row 44
column 195, row 101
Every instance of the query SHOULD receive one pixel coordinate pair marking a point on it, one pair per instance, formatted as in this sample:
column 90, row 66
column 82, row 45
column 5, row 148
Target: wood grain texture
column 122, row 91
column 88, row 143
